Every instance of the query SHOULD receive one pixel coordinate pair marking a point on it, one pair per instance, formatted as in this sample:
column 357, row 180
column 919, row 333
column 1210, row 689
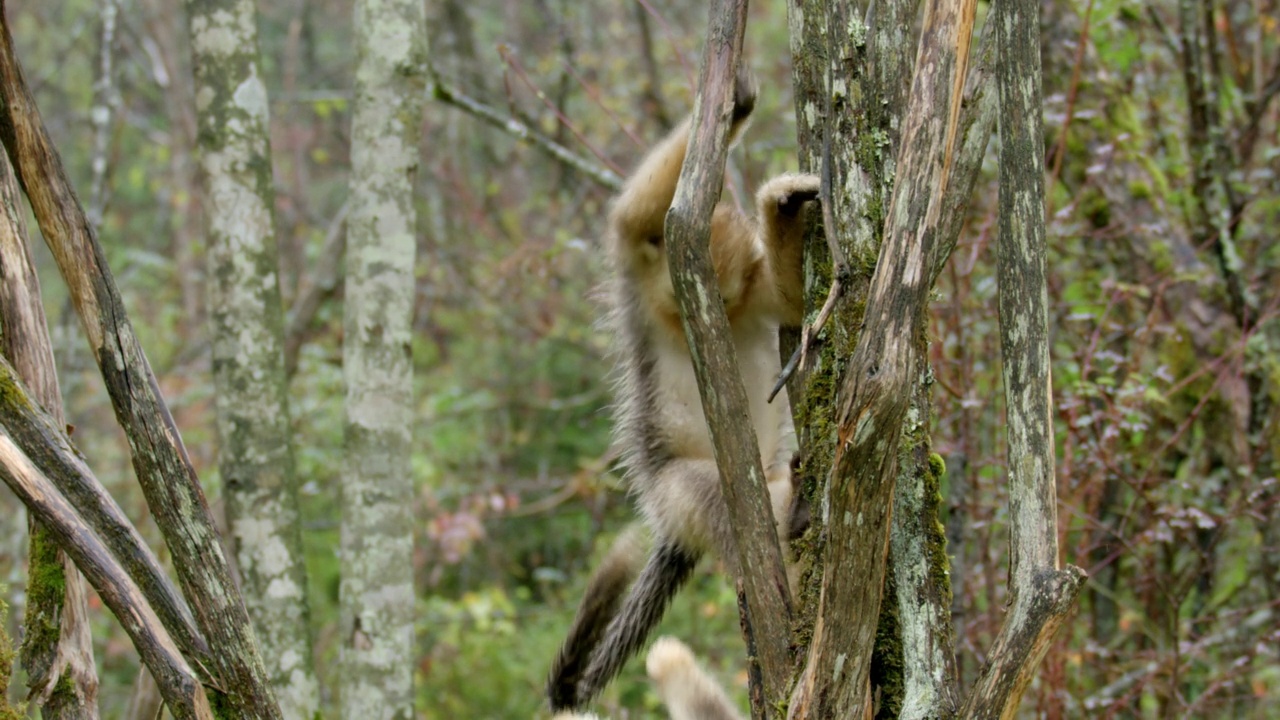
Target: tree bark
column 57, row 641
column 1041, row 595
column 182, row 692
column 763, row 583
column 376, row 593
column 163, row 468
column 254, row 429
column 879, row 378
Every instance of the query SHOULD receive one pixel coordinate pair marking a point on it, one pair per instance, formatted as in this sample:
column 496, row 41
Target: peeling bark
column 376, row 594
column 255, row 453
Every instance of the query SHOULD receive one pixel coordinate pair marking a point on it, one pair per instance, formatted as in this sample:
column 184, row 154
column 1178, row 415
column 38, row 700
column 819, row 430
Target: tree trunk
column 1040, row 594
column 879, row 378
column 376, row 593
column 256, row 453
column 57, row 642
column 160, row 460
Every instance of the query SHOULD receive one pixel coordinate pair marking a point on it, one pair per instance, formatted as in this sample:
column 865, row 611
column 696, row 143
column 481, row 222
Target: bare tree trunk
column 57, row 639
column 1041, row 595
column 160, row 460
column 376, row 594
column 256, row 453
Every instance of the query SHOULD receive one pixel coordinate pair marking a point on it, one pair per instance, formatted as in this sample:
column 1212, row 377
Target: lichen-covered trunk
column 880, row 374
column 57, row 651
column 1040, row 594
column 160, row 460
column 376, row 592
column 255, row 453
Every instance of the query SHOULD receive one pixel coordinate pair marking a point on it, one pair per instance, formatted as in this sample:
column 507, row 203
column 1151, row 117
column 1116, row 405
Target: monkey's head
column 641, row 253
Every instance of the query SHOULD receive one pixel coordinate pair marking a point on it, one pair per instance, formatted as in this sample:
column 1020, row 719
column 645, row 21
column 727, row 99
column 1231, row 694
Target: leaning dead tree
column 900, row 202
column 199, row 645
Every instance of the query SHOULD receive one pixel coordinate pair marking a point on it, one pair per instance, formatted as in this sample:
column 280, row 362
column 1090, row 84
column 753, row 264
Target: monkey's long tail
column 600, row 603
column 668, row 569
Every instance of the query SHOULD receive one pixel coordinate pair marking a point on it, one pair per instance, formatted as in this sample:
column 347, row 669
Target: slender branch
column 451, row 95
column 324, row 282
column 1041, row 594
column 715, row 361
column 513, row 63
column 44, row 441
column 183, row 694
column 106, row 101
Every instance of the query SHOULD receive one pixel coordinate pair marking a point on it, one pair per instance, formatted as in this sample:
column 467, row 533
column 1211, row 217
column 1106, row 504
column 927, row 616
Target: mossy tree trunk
column 58, row 650
column 255, row 452
column 376, row 592
column 160, row 460
column 851, row 92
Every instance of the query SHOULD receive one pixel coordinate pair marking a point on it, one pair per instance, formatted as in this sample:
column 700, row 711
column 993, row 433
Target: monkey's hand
column 744, row 95
column 797, row 190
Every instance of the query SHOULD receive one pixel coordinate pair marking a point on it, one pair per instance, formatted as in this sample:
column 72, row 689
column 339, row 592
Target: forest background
column 1161, row 335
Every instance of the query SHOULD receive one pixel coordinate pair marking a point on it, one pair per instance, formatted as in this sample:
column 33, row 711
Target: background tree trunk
column 376, row 595
column 254, row 429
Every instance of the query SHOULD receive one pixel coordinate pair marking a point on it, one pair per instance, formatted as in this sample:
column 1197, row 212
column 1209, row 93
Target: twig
column 565, row 122
column 450, row 95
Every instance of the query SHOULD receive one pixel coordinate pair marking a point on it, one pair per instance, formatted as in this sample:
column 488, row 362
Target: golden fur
column 659, row 425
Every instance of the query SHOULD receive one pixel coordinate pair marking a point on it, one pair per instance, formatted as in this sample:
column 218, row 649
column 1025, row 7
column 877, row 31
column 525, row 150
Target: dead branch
column 161, row 463
column 724, row 400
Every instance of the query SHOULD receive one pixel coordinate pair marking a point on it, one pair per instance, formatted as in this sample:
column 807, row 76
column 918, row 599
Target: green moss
column 7, row 711
column 886, row 659
column 46, row 588
column 936, row 540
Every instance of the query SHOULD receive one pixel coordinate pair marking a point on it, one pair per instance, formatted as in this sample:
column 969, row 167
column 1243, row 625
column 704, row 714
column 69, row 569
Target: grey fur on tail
column 669, row 567
column 599, row 606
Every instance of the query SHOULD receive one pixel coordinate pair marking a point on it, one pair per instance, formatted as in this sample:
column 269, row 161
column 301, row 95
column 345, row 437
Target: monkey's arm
column 781, row 213
column 641, row 208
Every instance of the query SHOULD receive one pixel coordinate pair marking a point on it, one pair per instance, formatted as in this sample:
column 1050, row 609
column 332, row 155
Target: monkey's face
column 653, row 276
